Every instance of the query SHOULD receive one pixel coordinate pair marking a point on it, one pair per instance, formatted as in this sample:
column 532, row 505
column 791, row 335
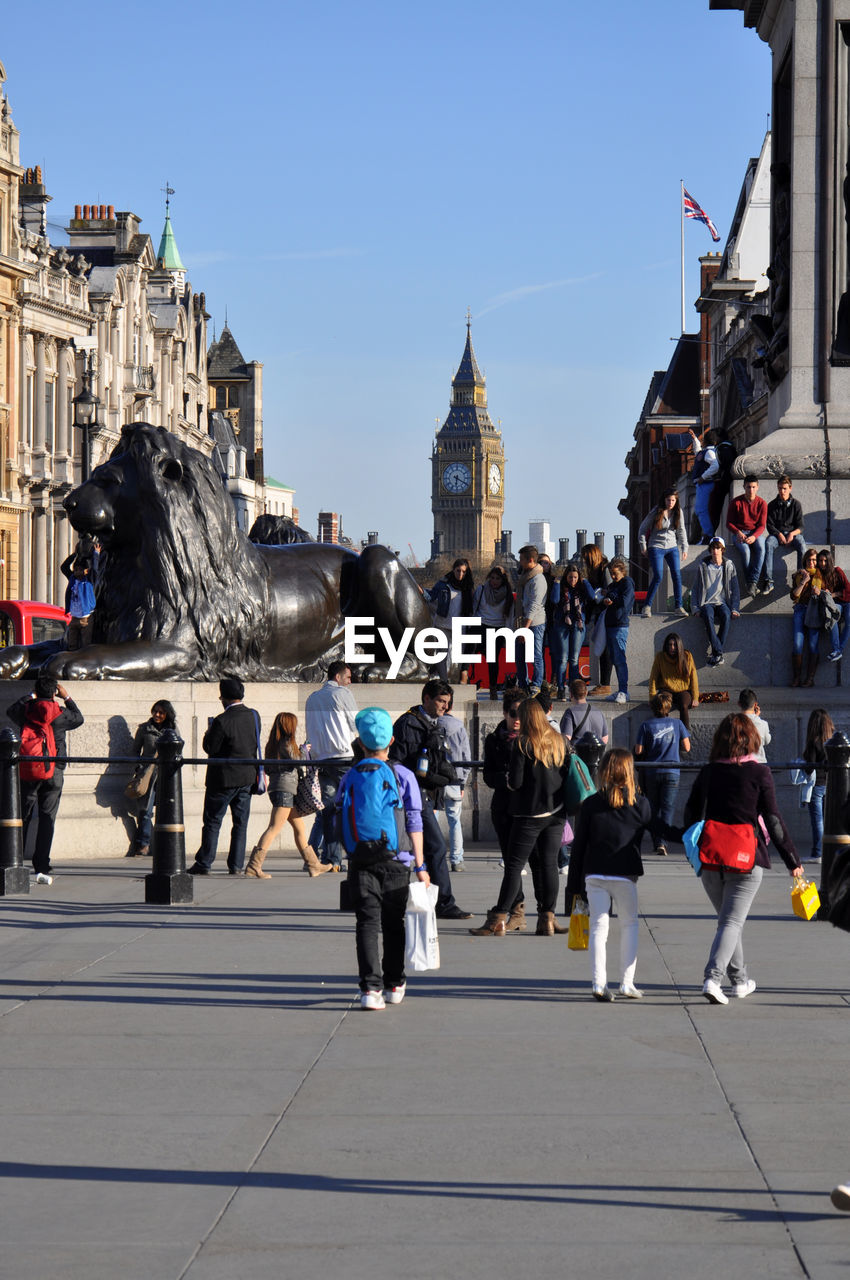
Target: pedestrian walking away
column 734, row 790
column 605, row 866
column 372, row 797
column 233, row 734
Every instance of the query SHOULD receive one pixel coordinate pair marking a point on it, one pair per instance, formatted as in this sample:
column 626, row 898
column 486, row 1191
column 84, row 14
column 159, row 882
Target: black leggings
column 530, row 837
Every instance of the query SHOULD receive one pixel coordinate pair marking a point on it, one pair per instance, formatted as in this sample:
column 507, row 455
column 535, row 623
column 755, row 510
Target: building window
column 221, row 397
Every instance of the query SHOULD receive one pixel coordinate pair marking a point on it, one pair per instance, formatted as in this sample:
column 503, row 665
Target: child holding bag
column 605, row 865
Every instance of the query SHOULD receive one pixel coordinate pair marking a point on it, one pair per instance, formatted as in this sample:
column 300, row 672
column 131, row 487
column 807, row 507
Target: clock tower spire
column 467, row 468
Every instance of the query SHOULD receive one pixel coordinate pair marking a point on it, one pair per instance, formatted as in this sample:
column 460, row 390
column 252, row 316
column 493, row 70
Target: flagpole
column 682, row 242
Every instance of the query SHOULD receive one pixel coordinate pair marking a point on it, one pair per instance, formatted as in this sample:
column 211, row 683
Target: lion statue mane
column 182, row 593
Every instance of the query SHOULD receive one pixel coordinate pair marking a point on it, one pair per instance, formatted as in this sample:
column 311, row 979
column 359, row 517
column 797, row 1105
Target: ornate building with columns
column 11, row 273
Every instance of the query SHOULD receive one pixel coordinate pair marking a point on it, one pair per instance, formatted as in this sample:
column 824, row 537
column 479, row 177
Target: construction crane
column 413, row 553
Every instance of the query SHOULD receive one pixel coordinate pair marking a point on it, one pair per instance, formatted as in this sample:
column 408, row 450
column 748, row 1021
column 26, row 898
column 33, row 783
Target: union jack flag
column 692, row 210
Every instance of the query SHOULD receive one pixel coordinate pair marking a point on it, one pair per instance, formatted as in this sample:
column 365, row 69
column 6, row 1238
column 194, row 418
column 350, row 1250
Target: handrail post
column 835, row 837
column 169, row 883
column 14, row 876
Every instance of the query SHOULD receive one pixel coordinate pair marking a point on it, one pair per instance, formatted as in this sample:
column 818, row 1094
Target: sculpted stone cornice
column 800, row 466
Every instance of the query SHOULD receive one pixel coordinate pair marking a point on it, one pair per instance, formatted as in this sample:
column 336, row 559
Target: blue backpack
column 370, row 808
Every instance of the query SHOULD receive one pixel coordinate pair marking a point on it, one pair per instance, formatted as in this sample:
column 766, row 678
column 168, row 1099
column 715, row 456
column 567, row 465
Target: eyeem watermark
column 431, row 645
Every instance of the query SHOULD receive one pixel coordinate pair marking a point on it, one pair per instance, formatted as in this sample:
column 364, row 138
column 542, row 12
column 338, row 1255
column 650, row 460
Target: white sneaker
column 713, row 992
column 630, row 991
column 43, row 878
column 621, row 698
column 646, row 612
column 564, row 871
column 840, row 1197
column 372, row 1000
column 743, row 989
column 394, row 995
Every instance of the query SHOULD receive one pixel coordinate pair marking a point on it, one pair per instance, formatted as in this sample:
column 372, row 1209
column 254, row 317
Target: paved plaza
column 194, row 1092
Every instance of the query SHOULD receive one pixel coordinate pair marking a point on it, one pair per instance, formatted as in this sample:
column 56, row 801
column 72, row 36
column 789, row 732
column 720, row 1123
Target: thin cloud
column 525, row 291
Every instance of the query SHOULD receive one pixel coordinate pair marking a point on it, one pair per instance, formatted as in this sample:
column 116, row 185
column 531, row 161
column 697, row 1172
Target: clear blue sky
column 351, row 176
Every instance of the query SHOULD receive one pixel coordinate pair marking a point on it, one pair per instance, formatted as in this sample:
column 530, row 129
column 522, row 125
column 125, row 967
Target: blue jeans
column 538, row 670
column 816, row 818
column 452, row 806
column 731, row 894
column 752, row 557
column 617, row 640
column 434, row 847
column 702, row 499
column 559, row 638
column 802, row 632
column 716, row 616
column 330, row 777
column 657, row 556
column 660, row 787
column 799, row 545
column 844, row 627
column 567, row 645
column 216, row 804
column 144, row 815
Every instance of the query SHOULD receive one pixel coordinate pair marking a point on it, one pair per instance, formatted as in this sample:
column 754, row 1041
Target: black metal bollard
column 591, row 751
column 169, row 883
column 836, row 841
column 14, row 876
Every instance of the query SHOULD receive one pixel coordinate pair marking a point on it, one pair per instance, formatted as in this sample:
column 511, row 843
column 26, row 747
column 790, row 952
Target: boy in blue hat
column 371, row 799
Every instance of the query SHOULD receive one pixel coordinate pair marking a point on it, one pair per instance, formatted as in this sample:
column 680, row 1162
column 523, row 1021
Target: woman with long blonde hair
column 605, row 866
column 536, row 773
column 283, row 785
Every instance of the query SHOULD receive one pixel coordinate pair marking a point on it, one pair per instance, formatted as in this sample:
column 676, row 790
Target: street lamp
column 86, row 405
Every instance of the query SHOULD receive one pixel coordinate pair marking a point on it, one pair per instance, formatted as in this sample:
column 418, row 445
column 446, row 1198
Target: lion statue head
column 177, row 566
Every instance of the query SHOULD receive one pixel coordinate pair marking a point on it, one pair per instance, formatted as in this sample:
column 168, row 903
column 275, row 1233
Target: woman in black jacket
column 536, row 773
column 497, row 758
column 734, row 789
column 605, row 866
column 162, row 717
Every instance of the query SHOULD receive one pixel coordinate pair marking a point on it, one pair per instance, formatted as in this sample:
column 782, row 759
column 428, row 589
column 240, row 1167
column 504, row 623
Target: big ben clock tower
column 467, row 469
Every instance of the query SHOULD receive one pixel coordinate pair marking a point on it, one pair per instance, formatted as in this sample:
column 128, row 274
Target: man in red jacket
column 746, row 520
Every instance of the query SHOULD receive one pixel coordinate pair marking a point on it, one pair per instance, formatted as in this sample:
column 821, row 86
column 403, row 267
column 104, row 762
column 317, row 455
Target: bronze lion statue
column 183, row 594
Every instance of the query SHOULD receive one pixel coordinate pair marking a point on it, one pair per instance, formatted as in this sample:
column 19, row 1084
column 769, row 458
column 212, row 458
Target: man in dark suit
column 235, row 733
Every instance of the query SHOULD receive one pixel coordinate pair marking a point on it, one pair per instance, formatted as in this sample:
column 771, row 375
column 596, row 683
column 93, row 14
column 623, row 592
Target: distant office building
column 539, row 536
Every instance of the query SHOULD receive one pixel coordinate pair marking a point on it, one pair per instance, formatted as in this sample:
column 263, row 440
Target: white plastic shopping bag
column 422, row 945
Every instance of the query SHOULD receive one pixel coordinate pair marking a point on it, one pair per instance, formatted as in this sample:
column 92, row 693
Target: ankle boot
column 493, row 926
column 796, row 668
column 313, row 865
column 811, row 668
column 547, row 925
column 516, row 920
column 255, row 864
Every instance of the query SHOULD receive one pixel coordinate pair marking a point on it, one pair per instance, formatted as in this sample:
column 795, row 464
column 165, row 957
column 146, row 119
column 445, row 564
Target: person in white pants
column 605, row 866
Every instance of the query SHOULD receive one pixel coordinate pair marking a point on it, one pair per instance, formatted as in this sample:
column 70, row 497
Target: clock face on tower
column 494, row 479
column 457, row 477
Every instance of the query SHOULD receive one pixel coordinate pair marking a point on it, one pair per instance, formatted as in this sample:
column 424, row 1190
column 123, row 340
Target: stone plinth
column 95, row 818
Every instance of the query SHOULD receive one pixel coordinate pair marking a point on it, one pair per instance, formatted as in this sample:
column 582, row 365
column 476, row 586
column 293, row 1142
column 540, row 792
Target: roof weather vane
column 468, row 317
column 169, row 191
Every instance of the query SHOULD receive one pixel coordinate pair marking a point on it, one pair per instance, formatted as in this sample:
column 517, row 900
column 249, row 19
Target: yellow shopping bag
column 578, row 934
column 805, row 899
